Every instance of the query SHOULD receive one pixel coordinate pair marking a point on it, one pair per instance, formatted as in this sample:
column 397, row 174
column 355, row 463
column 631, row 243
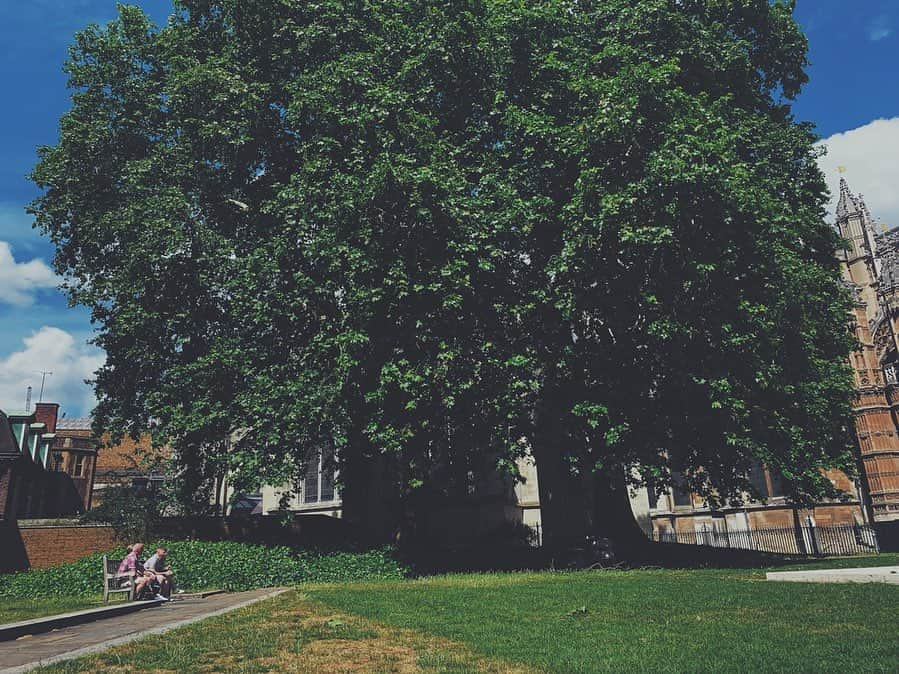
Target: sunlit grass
column 16, row 610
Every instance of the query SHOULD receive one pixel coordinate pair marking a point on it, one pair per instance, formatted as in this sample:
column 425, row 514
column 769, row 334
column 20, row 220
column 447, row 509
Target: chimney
column 46, row 413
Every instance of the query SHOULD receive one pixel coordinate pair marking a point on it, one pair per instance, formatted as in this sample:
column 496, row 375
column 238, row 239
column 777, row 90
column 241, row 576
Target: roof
column 888, row 253
column 74, row 424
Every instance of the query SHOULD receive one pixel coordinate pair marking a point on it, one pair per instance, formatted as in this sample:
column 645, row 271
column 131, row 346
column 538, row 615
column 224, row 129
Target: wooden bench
column 114, row 583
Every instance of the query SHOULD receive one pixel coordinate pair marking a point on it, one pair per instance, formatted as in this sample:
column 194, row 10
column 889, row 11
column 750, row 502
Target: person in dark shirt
column 162, row 574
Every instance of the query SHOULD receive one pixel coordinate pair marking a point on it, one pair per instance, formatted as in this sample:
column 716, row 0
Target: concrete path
column 29, row 652
column 11, row 631
column 874, row 574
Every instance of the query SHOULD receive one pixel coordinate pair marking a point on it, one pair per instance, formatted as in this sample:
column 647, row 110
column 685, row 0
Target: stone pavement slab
column 874, row 574
column 29, row 652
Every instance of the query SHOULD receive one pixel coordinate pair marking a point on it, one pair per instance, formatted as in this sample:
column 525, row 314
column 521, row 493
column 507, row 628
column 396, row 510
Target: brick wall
column 128, row 457
column 46, row 413
column 39, row 544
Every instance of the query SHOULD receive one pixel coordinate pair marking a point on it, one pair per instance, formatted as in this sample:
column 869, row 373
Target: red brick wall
column 127, row 457
column 48, row 545
column 46, row 413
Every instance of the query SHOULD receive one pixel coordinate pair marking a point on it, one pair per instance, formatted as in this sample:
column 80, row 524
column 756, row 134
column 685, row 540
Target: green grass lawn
column 15, row 610
column 599, row 621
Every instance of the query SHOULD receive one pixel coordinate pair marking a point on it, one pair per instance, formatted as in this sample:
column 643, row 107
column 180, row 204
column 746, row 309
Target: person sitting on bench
column 132, row 569
column 163, row 575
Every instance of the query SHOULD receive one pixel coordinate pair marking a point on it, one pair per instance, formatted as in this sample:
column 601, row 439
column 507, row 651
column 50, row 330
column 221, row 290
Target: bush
column 81, row 578
column 133, row 514
column 202, row 565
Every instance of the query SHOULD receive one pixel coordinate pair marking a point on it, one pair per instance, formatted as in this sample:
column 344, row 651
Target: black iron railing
column 844, row 539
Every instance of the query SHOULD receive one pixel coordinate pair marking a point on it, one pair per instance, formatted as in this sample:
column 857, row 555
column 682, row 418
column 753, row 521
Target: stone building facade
column 870, row 266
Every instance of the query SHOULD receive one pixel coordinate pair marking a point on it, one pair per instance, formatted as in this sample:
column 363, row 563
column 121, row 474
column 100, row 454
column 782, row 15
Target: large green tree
column 437, row 236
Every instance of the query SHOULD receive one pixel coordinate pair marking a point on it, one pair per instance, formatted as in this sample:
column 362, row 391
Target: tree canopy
column 438, row 236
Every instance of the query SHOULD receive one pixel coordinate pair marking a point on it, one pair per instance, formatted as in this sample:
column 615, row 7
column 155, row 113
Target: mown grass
column 16, row 610
column 648, row 620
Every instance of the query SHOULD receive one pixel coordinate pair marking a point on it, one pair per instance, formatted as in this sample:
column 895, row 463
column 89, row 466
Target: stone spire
column 847, row 204
column 854, row 222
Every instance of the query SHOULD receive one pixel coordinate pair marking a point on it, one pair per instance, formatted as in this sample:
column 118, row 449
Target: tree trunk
column 613, row 516
column 370, row 501
column 563, row 507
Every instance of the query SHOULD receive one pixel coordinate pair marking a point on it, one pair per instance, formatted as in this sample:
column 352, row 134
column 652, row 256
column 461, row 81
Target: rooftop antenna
column 28, row 399
column 44, row 376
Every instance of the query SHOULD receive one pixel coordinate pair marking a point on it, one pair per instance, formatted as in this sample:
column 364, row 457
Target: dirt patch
column 339, row 656
column 337, row 643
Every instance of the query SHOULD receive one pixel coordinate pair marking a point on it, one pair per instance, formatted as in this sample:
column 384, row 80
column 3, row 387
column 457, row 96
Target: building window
column 656, row 495
column 777, row 488
column 767, row 482
column 318, row 484
column 681, row 491
column 310, row 483
column 149, row 484
column 57, row 462
column 758, row 480
column 79, row 465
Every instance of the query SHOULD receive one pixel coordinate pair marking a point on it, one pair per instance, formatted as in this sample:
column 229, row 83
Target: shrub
column 81, row 578
column 341, row 566
column 133, row 514
column 201, row 565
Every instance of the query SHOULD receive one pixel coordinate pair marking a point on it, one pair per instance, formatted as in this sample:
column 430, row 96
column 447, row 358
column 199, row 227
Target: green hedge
column 201, row 565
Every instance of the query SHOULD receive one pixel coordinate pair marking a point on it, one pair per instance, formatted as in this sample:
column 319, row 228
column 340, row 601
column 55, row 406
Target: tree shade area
column 432, row 238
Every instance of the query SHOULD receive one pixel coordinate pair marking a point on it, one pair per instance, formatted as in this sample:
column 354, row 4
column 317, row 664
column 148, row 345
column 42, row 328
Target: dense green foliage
column 200, row 565
column 132, row 514
column 438, row 235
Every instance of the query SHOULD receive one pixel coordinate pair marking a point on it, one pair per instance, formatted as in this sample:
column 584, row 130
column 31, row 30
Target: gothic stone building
column 870, row 266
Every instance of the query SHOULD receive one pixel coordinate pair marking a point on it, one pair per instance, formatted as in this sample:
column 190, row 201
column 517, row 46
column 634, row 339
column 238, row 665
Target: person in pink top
column 131, row 567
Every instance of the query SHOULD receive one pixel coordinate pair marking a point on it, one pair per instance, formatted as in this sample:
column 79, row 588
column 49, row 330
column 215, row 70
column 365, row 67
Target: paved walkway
column 71, row 642
column 875, row 574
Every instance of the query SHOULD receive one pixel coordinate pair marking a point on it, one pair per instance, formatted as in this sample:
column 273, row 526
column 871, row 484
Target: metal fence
column 846, row 539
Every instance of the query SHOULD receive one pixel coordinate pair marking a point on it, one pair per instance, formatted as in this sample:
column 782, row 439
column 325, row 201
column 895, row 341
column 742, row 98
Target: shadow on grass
column 427, row 560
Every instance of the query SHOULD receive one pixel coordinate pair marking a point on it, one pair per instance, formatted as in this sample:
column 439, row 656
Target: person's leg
column 140, row 584
column 158, row 586
column 161, row 584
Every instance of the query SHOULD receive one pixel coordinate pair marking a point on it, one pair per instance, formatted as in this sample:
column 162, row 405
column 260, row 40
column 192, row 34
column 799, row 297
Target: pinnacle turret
column 847, row 204
column 854, row 223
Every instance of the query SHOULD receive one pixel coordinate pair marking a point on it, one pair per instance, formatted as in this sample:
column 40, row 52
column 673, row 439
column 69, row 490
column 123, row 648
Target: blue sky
column 854, row 83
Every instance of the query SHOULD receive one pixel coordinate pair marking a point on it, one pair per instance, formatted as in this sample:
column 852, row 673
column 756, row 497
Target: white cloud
column 19, row 281
column 880, row 28
column 870, row 157
column 53, row 350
